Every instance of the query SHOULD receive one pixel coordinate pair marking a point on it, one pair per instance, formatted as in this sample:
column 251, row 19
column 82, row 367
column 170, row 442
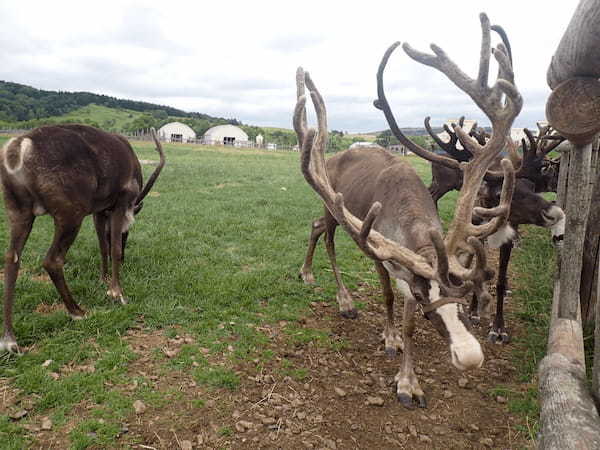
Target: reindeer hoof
column 475, row 320
column 308, row 278
column 421, row 401
column 123, row 300
column 498, row 337
column 406, row 400
column 9, row 345
column 76, row 313
column 350, row 314
column 391, row 352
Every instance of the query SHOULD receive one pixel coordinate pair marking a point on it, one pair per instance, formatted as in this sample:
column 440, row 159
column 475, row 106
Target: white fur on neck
column 434, row 291
column 502, row 236
column 465, row 350
column 558, row 228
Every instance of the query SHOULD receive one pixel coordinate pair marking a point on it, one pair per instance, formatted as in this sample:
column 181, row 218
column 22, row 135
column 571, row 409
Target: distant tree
column 386, row 138
column 160, row 114
column 252, row 131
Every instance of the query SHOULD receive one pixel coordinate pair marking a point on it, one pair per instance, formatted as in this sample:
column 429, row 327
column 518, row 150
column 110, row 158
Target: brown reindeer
column 384, row 206
column 69, row 172
column 535, row 173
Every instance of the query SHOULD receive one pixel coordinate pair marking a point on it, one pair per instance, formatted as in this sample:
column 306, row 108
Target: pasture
column 222, row 346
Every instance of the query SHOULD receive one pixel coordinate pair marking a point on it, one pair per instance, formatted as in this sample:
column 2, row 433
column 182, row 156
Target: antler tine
column 468, row 142
column 301, row 128
column 498, row 29
column 484, row 96
column 479, row 134
column 484, row 59
column 499, row 214
column 382, row 104
column 513, row 155
column 373, row 243
column 533, row 145
column 450, row 146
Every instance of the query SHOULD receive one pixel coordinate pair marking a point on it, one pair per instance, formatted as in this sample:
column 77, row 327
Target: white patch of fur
column 434, row 291
column 404, row 288
column 129, row 219
column 465, row 350
column 39, row 210
column 558, row 227
column 25, row 147
column 16, row 258
column 502, row 236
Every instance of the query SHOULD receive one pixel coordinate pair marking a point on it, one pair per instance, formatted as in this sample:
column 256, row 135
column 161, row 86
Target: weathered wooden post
column 569, row 418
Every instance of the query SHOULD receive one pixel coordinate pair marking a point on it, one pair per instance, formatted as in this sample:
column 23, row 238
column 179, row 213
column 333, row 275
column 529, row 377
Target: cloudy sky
column 238, row 58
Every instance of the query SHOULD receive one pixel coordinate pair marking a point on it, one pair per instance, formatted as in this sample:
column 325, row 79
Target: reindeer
column 69, row 172
column 535, row 173
column 384, row 206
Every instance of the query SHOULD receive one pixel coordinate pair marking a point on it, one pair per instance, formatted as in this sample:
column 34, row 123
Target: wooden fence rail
column 569, row 417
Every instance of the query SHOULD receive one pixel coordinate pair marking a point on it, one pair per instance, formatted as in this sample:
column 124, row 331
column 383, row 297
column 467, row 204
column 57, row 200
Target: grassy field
column 105, row 118
column 215, row 251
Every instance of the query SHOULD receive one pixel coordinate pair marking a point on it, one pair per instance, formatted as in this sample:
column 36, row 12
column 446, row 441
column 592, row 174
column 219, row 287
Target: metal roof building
column 176, row 132
column 225, row 135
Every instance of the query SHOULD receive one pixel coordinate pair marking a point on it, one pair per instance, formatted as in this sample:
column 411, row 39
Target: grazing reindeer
column 384, row 206
column 69, row 172
column 535, row 173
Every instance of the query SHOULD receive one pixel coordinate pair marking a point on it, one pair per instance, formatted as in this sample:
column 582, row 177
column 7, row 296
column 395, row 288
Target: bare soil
column 315, row 393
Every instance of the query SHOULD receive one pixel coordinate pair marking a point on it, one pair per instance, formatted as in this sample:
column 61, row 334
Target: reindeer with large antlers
column 384, row 206
column 534, row 173
column 69, row 172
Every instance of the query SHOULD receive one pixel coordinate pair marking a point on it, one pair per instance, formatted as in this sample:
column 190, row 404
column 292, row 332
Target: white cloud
column 238, row 59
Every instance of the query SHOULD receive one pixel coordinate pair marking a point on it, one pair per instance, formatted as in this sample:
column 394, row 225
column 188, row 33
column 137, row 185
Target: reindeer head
column 139, row 201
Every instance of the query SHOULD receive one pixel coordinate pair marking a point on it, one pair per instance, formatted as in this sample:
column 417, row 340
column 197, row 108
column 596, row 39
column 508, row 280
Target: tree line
column 25, row 105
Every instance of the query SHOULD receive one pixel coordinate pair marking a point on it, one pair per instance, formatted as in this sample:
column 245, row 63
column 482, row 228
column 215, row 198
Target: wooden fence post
column 569, row 418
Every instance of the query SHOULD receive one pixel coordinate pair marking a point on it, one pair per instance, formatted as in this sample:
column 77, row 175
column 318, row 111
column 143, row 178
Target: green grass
column 214, row 254
column 101, row 116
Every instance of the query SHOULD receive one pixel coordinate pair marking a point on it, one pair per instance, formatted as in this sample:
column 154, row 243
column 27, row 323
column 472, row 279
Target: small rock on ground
column 374, row 401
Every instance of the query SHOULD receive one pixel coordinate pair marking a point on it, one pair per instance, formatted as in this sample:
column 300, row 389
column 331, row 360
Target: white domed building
column 226, row 135
column 176, row 132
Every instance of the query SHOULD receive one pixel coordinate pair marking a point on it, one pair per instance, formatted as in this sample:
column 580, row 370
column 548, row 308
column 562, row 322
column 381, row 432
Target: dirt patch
column 328, row 384
column 45, row 309
column 315, row 394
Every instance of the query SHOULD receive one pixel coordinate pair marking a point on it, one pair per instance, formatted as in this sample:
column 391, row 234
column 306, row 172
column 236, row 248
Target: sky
column 237, row 59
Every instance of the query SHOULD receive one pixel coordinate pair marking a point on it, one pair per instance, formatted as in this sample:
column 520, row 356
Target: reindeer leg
column 474, row 310
column 407, row 385
column 20, row 227
column 344, row 298
column 65, row 232
column 318, row 228
column 118, row 222
column 498, row 333
column 101, row 222
column 390, row 334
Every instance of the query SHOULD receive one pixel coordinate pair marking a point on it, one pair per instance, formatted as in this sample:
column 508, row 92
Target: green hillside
column 23, row 106
column 110, row 119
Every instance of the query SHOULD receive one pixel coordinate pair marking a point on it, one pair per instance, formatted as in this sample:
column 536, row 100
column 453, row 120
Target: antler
column 450, row 147
column 501, row 103
column 155, row 174
column 535, row 151
column 373, row 243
